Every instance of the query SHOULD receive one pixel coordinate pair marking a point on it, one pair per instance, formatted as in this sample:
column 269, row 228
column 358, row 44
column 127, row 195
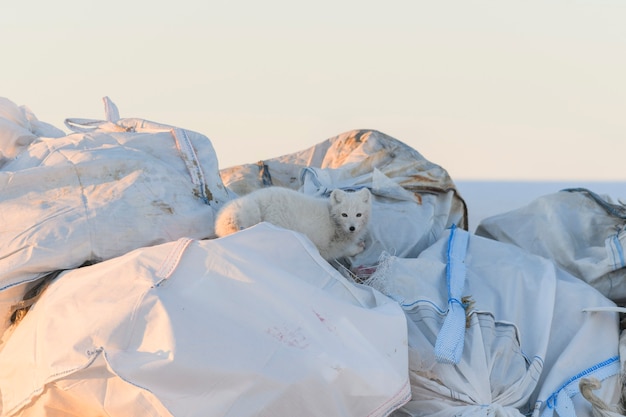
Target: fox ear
column 336, row 196
column 365, row 195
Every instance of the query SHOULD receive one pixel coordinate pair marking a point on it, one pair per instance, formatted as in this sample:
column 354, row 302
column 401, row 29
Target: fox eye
column 358, row 214
column 344, row 215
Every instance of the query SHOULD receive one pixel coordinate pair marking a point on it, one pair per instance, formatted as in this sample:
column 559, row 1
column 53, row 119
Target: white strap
column 612, row 309
column 111, row 114
column 188, row 153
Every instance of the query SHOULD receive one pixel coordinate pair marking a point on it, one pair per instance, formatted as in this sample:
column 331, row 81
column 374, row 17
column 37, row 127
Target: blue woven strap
column 451, row 338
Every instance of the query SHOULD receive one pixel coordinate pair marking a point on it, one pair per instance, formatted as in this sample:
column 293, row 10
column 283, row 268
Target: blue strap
column 561, row 400
column 451, row 338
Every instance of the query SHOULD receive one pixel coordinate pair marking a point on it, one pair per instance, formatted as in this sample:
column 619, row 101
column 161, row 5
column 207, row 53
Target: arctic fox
column 336, row 225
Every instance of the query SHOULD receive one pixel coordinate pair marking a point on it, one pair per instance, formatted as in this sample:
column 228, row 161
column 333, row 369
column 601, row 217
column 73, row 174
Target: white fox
column 336, row 225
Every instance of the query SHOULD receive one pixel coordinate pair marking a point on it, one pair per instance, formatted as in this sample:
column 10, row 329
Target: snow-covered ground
column 487, row 198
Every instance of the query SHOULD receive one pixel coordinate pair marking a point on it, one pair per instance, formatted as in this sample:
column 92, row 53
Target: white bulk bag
column 494, row 330
column 256, row 323
column 19, row 128
column 414, row 201
column 115, row 186
column 583, row 232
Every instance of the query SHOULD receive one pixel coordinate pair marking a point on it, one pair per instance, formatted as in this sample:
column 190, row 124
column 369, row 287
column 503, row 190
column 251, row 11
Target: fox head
column 350, row 210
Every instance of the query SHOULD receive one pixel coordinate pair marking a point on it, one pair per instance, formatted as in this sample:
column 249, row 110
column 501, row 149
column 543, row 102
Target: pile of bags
column 130, row 306
column 111, row 187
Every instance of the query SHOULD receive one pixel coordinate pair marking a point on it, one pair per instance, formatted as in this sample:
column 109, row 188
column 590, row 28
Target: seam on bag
column 128, row 381
column 190, row 158
column 84, row 200
column 398, row 400
column 39, row 390
column 172, row 260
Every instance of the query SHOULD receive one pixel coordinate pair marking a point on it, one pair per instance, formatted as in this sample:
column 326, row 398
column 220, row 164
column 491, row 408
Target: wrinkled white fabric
column 414, row 201
column 528, row 342
column 256, row 323
column 98, row 194
column 576, row 230
column 19, row 128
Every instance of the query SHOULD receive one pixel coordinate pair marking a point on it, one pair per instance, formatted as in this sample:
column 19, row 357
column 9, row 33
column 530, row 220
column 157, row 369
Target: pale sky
column 510, row 90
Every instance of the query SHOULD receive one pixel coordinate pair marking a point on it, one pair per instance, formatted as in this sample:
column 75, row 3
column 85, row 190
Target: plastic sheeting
column 228, row 327
column 527, row 333
column 582, row 232
column 116, row 185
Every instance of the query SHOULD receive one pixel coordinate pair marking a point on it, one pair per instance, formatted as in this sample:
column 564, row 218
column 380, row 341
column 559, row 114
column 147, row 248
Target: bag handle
column 111, row 114
column 113, row 123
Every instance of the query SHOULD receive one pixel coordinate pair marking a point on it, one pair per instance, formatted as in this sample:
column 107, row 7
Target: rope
column 599, row 407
